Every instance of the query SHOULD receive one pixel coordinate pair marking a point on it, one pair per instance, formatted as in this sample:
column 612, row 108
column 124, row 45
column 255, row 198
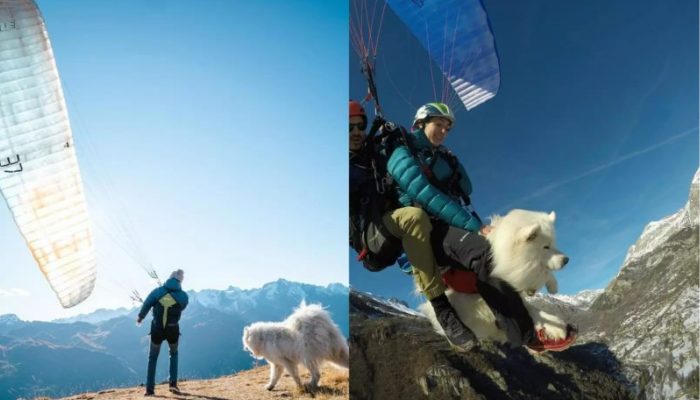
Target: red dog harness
column 460, row 280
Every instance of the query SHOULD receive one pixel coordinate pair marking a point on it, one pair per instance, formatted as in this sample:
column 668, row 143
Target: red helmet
column 356, row 110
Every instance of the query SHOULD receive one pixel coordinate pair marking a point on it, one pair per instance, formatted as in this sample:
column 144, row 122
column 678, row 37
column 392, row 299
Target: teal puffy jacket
column 415, row 188
column 173, row 287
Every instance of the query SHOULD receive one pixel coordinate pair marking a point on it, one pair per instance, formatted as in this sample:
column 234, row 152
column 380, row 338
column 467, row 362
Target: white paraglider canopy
column 39, row 174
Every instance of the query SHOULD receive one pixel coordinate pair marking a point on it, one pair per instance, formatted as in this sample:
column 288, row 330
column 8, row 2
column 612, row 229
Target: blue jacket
column 415, row 189
column 173, row 287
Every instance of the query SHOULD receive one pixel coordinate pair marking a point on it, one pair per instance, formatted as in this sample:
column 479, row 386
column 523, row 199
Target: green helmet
column 433, row 110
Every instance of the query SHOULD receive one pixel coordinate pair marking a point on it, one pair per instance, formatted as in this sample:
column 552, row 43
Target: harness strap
column 371, row 87
column 380, row 181
column 451, row 185
column 453, row 181
column 363, row 254
column 166, row 301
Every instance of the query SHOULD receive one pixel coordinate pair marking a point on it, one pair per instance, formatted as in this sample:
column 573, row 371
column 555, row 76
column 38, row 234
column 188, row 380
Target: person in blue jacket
column 168, row 302
column 429, row 176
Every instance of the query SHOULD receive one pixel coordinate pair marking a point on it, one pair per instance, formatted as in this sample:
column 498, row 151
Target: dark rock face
column 637, row 339
column 400, row 357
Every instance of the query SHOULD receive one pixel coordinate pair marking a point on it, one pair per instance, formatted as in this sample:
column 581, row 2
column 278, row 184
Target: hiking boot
column 542, row 343
column 456, row 332
column 149, row 393
column 175, row 389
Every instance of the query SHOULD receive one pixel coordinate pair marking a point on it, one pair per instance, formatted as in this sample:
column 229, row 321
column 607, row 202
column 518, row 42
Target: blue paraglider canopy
column 455, row 33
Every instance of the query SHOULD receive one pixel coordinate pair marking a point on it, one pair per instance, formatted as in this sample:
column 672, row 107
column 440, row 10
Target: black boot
column 456, row 332
column 174, row 389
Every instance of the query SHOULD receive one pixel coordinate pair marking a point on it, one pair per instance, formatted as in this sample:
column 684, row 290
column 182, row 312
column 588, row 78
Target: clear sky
column 207, row 134
column 596, row 119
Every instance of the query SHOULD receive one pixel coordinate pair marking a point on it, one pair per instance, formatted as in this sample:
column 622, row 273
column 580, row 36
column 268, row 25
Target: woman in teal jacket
column 430, row 177
column 444, row 194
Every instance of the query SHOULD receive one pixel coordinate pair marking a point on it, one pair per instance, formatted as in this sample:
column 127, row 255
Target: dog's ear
column 528, row 233
column 552, row 216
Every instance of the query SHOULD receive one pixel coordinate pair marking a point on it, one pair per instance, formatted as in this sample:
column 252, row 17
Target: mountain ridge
column 210, row 347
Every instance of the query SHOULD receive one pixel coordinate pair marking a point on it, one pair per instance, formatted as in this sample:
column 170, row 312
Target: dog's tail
column 341, row 356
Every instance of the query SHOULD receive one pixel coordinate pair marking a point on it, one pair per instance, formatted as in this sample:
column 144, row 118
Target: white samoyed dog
column 524, row 255
column 308, row 337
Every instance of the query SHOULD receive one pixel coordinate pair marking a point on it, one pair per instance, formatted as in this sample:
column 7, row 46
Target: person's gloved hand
column 139, row 321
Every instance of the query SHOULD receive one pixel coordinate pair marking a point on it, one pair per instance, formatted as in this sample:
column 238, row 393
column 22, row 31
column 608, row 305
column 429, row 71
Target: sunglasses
column 361, row 126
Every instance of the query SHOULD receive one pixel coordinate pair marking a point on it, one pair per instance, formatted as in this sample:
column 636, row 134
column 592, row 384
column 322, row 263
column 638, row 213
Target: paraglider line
column 379, row 31
column 396, row 87
column 371, row 28
column 367, row 70
column 430, row 64
column 451, row 94
column 356, row 33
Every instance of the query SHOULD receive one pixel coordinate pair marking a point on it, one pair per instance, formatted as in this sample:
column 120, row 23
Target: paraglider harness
column 171, row 311
column 377, row 248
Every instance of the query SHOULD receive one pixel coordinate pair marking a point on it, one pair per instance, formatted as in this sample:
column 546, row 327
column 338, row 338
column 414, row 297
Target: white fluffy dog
column 524, row 255
column 308, row 337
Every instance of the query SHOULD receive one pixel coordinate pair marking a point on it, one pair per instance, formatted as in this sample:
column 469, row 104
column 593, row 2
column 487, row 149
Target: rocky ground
column 401, row 357
column 246, row 385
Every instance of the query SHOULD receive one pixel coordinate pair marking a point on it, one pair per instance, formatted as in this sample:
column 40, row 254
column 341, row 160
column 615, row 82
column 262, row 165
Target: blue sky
column 596, row 119
column 208, row 132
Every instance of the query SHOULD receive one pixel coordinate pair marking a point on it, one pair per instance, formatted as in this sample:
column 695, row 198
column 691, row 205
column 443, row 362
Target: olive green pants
column 412, row 225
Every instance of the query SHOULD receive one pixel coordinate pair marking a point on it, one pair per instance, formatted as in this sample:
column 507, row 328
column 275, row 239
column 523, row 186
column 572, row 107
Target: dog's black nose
column 566, row 261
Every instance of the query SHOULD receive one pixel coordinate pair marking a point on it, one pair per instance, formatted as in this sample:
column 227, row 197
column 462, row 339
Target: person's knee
column 417, row 221
column 154, row 350
column 416, row 214
column 430, row 286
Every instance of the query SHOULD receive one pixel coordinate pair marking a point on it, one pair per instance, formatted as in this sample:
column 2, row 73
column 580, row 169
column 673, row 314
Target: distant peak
column 9, row 318
column 337, row 286
column 280, row 281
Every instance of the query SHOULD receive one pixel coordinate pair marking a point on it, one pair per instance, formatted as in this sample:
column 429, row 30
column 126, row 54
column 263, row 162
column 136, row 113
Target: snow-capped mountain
column 258, row 303
column 658, row 232
column 112, row 352
column 648, row 314
column 582, row 300
column 95, row 316
column 8, row 321
column 273, row 299
column 373, row 306
column 570, row 308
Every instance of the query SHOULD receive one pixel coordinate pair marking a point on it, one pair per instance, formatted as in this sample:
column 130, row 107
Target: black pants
column 458, row 248
column 171, row 333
